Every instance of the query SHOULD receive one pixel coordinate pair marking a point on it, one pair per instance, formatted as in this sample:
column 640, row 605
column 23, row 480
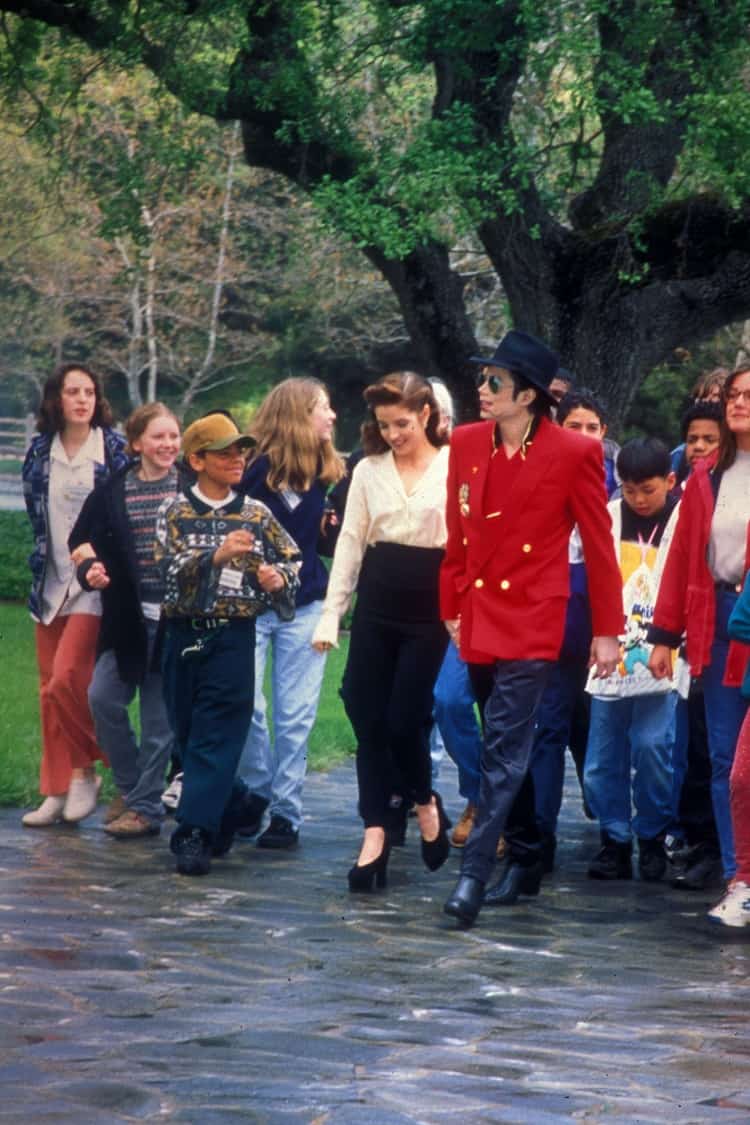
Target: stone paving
column 267, row 993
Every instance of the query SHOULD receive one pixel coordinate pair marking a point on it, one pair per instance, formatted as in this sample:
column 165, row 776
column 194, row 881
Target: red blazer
column 686, row 602
column 507, row 576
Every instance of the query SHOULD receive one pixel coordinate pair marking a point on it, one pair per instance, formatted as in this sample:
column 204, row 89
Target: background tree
column 595, row 152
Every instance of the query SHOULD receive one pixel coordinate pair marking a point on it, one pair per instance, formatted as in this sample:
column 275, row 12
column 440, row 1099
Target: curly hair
column 50, row 418
column 284, row 432
column 400, row 388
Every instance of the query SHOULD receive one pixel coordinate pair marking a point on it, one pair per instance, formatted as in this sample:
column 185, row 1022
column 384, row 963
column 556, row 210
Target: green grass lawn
column 330, row 742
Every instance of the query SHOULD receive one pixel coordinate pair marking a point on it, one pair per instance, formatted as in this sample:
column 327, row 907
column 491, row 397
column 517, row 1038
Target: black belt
column 728, row 588
column 203, row 622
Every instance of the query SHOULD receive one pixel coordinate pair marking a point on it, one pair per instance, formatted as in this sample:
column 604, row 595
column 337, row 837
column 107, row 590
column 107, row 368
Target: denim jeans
column 725, row 711
column 635, row 733
column 138, row 770
column 551, row 738
column 456, row 718
column 275, row 768
column 208, row 690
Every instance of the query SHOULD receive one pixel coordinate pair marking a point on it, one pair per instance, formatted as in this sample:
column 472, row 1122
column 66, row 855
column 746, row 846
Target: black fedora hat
column 524, row 355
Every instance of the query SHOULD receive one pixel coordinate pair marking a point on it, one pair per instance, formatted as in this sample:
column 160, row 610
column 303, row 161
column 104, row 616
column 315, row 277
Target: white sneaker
column 734, row 908
column 170, row 798
column 49, row 812
column 82, row 797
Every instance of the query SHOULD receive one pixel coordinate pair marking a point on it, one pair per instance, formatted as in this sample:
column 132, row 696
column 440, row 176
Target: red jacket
column 506, row 574
column 686, row 603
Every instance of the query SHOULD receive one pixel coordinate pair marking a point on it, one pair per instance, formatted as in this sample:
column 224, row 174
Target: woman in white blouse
column 390, row 548
column 74, row 450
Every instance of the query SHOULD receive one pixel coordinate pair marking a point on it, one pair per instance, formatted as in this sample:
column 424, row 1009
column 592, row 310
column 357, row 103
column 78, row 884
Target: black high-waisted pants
column 396, row 649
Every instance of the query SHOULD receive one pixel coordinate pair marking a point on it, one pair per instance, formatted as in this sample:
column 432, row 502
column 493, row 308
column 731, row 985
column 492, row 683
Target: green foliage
column 15, row 547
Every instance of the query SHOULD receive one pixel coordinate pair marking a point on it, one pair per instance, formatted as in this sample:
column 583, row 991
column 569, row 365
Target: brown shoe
column 115, row 809
column 132, row 824
column 464, row 826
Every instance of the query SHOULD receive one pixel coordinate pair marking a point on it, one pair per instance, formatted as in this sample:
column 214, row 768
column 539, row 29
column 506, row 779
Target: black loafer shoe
column 280, row 834
column 192, row 847
column 516, row 881
column 466, row 900
column 249, row 817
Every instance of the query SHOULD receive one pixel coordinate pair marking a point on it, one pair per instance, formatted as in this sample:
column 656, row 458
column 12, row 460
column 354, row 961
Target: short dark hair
column 581, row 398
column 701, row 409
column 541, row 406
column 50, row 419
column 643, row 457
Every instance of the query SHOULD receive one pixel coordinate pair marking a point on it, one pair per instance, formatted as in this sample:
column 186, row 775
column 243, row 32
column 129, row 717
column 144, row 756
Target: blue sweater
column 302, row 522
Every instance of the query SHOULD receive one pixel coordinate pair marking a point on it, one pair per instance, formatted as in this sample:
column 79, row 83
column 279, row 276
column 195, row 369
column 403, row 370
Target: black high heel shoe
column 435, row 852
column 367, row 876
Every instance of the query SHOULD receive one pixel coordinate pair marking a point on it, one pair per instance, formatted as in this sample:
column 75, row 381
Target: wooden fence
column 15, row 435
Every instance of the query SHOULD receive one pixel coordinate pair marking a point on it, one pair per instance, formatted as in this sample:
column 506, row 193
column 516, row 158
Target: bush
column 15, row 547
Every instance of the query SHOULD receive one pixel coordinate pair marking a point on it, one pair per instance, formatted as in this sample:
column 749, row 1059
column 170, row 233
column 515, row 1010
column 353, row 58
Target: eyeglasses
column 736, row 395
column 494, row 382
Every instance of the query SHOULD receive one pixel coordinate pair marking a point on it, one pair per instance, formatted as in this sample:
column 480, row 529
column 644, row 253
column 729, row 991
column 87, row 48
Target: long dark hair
column 50, row 418
column 401, row 388
column 727, row 440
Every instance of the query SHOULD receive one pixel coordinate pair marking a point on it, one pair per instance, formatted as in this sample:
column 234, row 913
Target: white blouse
column 379, row 510
column 70, row 481
column 726, row 547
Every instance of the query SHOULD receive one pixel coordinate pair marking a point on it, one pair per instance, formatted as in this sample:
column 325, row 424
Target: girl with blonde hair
column 293, row 465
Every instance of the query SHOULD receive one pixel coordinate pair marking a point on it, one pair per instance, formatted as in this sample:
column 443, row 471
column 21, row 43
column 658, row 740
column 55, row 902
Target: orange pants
column 66, row 652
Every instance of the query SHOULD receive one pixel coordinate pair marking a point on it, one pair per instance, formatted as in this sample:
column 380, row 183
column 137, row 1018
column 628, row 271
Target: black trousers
column 509, row 693
column 396, row 648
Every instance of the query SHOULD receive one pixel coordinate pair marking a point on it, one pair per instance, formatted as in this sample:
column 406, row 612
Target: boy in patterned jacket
column 225, row 560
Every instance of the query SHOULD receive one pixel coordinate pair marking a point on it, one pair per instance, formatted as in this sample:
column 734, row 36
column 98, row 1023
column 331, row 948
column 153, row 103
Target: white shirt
column 726, row 547
column 379, row 510
column 70, row 482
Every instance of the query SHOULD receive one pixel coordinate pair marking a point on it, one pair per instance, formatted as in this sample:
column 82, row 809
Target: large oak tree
column 596, row 150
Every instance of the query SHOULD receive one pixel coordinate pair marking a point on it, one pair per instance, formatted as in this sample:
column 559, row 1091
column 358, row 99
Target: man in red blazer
column 517, row 485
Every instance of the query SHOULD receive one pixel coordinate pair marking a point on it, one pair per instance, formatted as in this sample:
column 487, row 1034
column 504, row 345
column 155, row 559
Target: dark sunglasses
column 494, row 382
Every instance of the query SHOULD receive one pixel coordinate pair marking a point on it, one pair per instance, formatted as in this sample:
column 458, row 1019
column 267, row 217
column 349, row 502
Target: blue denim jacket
column 35, row 476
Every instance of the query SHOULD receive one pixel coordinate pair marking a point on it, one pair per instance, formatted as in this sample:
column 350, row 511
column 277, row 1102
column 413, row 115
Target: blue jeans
column 551, row 738
column 725, row 711
column 208, row 691
column 275, row 769
column 637, row 732
column 457, row 721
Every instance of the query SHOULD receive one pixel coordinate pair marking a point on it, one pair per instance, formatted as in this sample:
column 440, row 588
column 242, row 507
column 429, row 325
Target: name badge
column 230, row 578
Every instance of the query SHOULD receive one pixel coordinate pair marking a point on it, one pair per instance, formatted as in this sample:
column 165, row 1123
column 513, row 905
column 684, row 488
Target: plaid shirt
column 35, row 477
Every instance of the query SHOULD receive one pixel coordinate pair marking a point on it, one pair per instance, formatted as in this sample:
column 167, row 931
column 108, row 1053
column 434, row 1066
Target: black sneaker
column 192, row 846
column 243, row 816
column 249, row 816
column 279, row 834
column 652, row 860
column 612, row 861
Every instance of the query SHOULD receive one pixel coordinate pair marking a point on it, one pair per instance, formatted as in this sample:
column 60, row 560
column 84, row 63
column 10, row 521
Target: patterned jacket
column 35, row 477
column 188, row 533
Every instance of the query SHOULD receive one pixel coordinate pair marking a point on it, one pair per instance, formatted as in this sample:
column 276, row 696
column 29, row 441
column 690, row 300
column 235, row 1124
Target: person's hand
column 236, row 544
column 97, row 577
column 322, row 646
column 660, row 662
column 330, row 519
column 604, row 657
column 454, row 630
column 270, row 579
column 82, row 552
